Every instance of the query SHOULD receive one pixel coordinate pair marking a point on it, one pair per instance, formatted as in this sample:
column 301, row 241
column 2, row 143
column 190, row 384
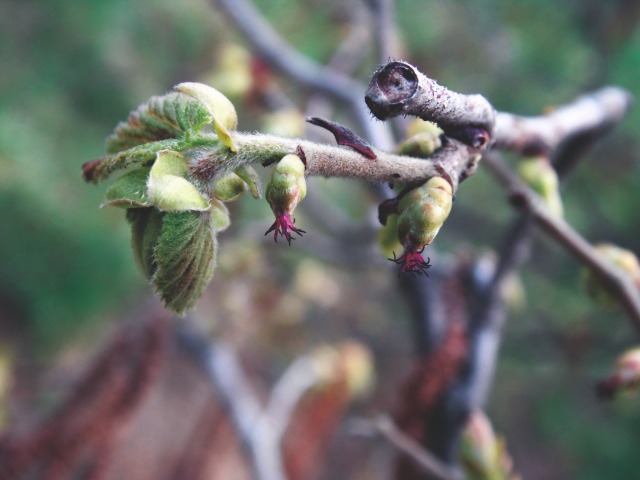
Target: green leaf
column 167, row 187
column 220, row 107
column 146, row 224
column 140, row 155
column 161, row 118
column 251, row 177
column 129, row 191
column 184, row 258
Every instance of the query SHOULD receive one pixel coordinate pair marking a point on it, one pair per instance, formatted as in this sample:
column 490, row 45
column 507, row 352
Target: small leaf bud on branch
column 626, row 376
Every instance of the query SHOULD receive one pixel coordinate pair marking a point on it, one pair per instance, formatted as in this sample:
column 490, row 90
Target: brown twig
column 429, row 464
column 524, row 198
column 305, row 72
column 593, row 111
column 399, row 88
column 454, row 158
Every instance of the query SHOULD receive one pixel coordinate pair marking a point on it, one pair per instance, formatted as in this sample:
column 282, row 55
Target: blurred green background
column 70, row 70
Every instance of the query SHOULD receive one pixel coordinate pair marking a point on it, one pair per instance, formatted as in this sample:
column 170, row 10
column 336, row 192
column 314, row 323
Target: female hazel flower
column 285, row 190
column 422, row 212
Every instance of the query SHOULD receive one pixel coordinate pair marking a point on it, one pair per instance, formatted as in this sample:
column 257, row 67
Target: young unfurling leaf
column 167, row 122
column 146, row 224
column 184, row 258
column 161, row 118
column 168, row 188
column 222, row 111
column 129, row 191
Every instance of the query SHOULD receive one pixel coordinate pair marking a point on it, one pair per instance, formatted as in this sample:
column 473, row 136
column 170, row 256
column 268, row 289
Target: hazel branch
column 399, row 88
column 454, row 159
column 593, row 111
column 304, row 71
column 430, row 464
column 524, row 198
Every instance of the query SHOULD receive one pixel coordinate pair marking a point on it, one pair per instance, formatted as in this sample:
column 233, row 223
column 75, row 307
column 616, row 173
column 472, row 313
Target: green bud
column 285, row 190
column 623, row 259
column 539, row 174
column 288, row 122
column 423, row 211
column 221, row 109
column 168, row 189
column 232, row 74
column 287, row 186
column 229, row 187
column 420, row 145
column 388, row 237
column 423, row 126
column 483, row 455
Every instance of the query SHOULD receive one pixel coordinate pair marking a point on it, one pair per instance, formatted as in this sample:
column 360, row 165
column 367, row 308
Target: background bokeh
column 70, row 70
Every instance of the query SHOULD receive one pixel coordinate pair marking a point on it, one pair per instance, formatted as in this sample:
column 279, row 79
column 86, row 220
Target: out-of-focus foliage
column 71, row 70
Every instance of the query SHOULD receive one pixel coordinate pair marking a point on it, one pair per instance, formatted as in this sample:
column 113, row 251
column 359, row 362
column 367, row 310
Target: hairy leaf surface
column 184, row 258
column 161, row 118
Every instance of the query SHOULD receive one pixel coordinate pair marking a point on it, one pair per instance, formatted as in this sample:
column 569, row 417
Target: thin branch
column 223, row 368
column 399, row 88
column 489, row 315
column 593, row 111
column 387, row 43
column 261, row 429
column 305, row 72
column 430, row 464
column 287, row 393
column 524, row 198
column 349, row 54
column 454, row 159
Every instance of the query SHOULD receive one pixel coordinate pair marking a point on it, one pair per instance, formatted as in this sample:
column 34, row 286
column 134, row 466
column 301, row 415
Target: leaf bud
column 623, row 259
column 420, row 145
column 482, row 454
column 626, row 375
column 251, row 178
column 229, row 187
column 539, row 174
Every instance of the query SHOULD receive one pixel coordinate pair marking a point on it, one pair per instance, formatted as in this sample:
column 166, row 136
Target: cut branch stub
column 398, row 88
